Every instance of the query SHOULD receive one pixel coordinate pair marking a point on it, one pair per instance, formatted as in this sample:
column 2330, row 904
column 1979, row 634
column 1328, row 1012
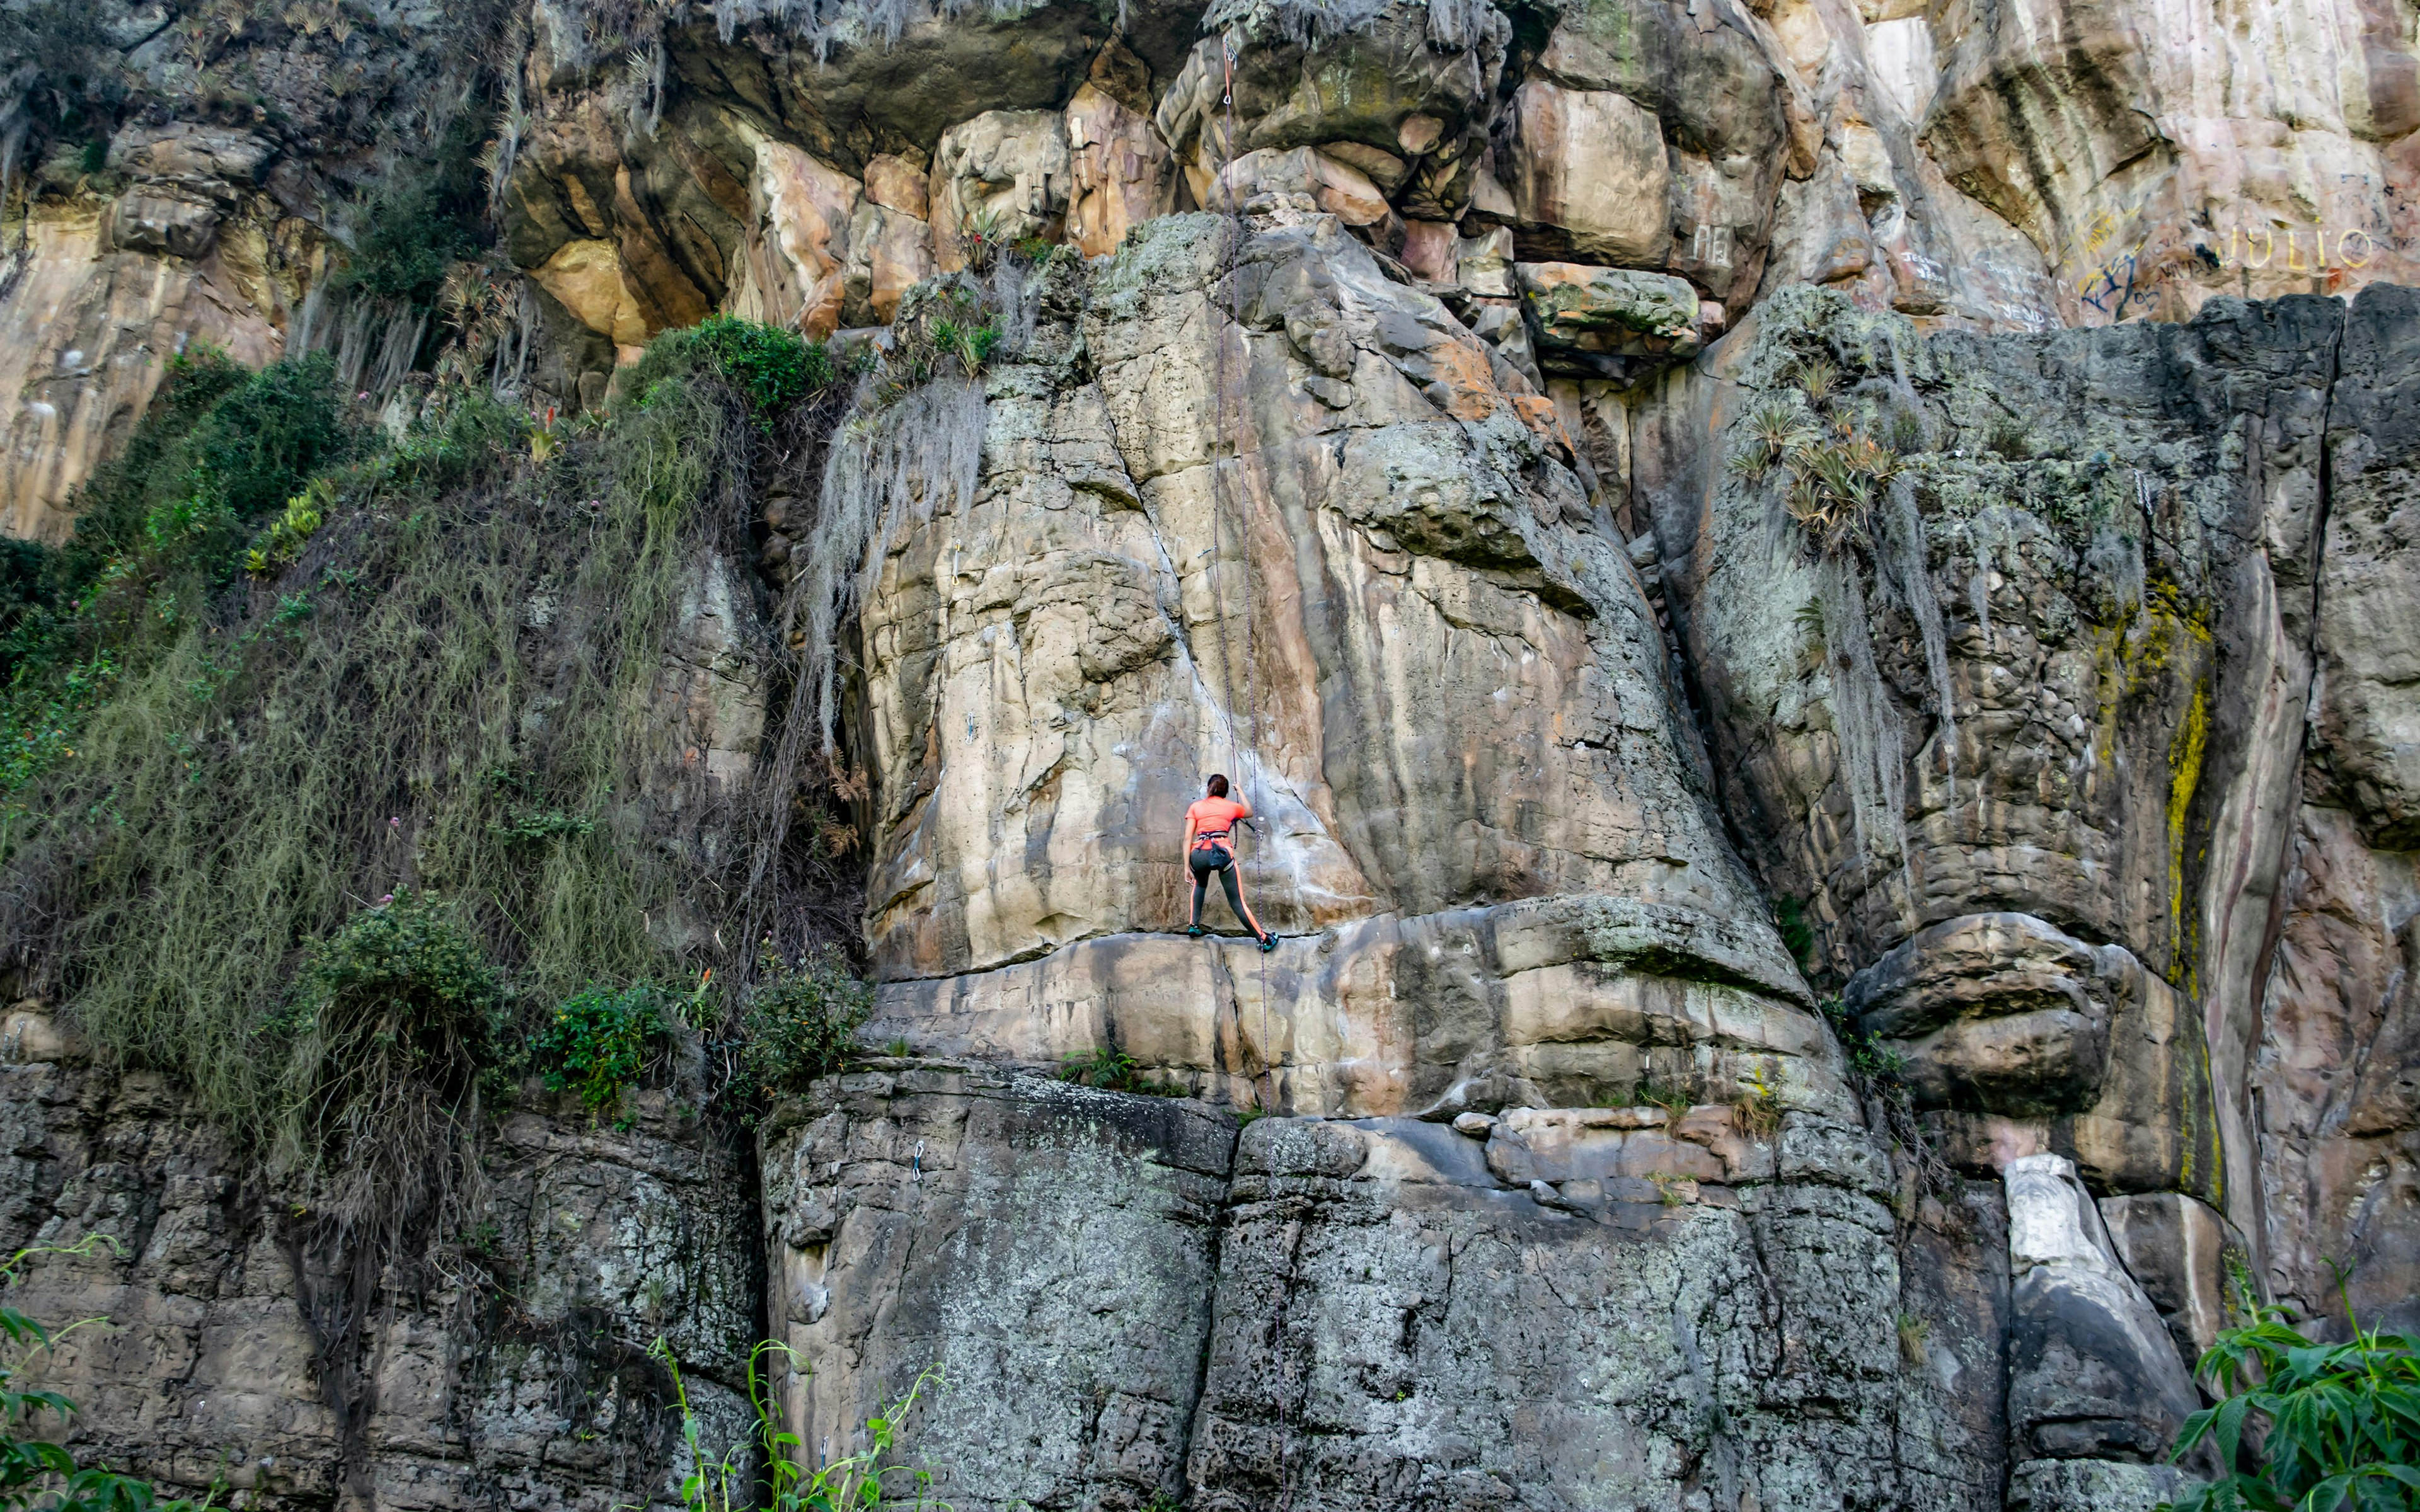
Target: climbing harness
column 1222, row 417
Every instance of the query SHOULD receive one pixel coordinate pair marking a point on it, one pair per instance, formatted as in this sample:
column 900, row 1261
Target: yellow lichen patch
column 2185, row 774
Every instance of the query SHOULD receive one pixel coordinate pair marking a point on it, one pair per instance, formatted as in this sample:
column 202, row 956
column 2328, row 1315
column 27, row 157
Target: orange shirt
column 1213, row 818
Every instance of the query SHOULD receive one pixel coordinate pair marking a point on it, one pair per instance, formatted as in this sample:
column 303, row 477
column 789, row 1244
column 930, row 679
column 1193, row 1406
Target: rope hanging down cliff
column 1231, row 422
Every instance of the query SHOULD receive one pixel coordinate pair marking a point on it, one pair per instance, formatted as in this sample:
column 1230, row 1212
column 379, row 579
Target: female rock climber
column 1209, row 825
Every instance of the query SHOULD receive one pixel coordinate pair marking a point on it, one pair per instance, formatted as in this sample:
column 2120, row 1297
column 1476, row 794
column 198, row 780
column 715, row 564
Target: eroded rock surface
column 515, row 1371
column 2108, row 637
column 1396, row 618
column 1048, row 1249
column 1377, row 1313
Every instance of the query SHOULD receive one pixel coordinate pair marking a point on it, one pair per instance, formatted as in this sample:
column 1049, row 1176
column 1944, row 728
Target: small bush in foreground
column 859, row 1478
column 2343, row 1421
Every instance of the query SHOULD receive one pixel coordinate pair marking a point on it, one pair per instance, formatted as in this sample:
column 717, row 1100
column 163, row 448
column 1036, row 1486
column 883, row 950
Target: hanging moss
column 456, row 686
column 911, row 444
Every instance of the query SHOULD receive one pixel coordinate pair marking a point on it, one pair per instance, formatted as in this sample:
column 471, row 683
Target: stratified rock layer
column 2079, row 773
column 1126, row 1301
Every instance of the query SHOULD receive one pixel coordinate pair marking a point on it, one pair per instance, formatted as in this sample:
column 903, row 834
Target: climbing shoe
column 1268, row 943
column 1194, row 930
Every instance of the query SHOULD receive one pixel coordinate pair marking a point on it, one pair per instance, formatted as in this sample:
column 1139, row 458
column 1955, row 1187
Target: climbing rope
column 1231, row 423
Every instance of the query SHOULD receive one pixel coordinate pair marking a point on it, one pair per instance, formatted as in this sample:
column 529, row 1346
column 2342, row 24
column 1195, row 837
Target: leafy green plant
column 772, row 368
column 1773, row 431
column 538, row 824
column 596, row 1044
column 1816, row 378
column 410, row 231
column 218, row 447
column 859, row 1479
column 1836, row 471
column 256, row 447
column 40, row 719
column 971, row 344
column 801, row 1021
column 2008, row 438
column 1797, row 935
column 411, row 954
column 1114, row 1070
column 37, row 1472
column 403, row 990
column 951, row 326
column 2342, row 1420
column 283, row 541
column 1869, row 1057
column 984, row 235
column 29, row 600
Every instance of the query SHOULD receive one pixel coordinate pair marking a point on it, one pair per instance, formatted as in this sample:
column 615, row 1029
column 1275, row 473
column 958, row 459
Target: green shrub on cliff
column 161, row 527
column 221, row 447
column 207, row 769
column 774, row 368
column 595, row 1043
column 410, row 230
column 401, row 996
column 801, row 1020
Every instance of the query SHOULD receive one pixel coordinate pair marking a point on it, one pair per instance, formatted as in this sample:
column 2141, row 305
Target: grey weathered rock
column 1607, row 322
column 515, row 1371
column 1047, row 1248
column 2339, row 1030
column 2092, row 1486
column 2188, row 1260
column 1396, row 1329
column 2060, row 789
column 2004, row 1020
column 2092, row 1373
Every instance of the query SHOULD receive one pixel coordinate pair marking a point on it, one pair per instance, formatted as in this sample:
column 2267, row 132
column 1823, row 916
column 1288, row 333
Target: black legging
column 1209, row 859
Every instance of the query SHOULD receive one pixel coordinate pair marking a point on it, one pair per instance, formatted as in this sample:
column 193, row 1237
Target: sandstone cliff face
column 1396, row 618
column 1374, row 446
column 2081, row 680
